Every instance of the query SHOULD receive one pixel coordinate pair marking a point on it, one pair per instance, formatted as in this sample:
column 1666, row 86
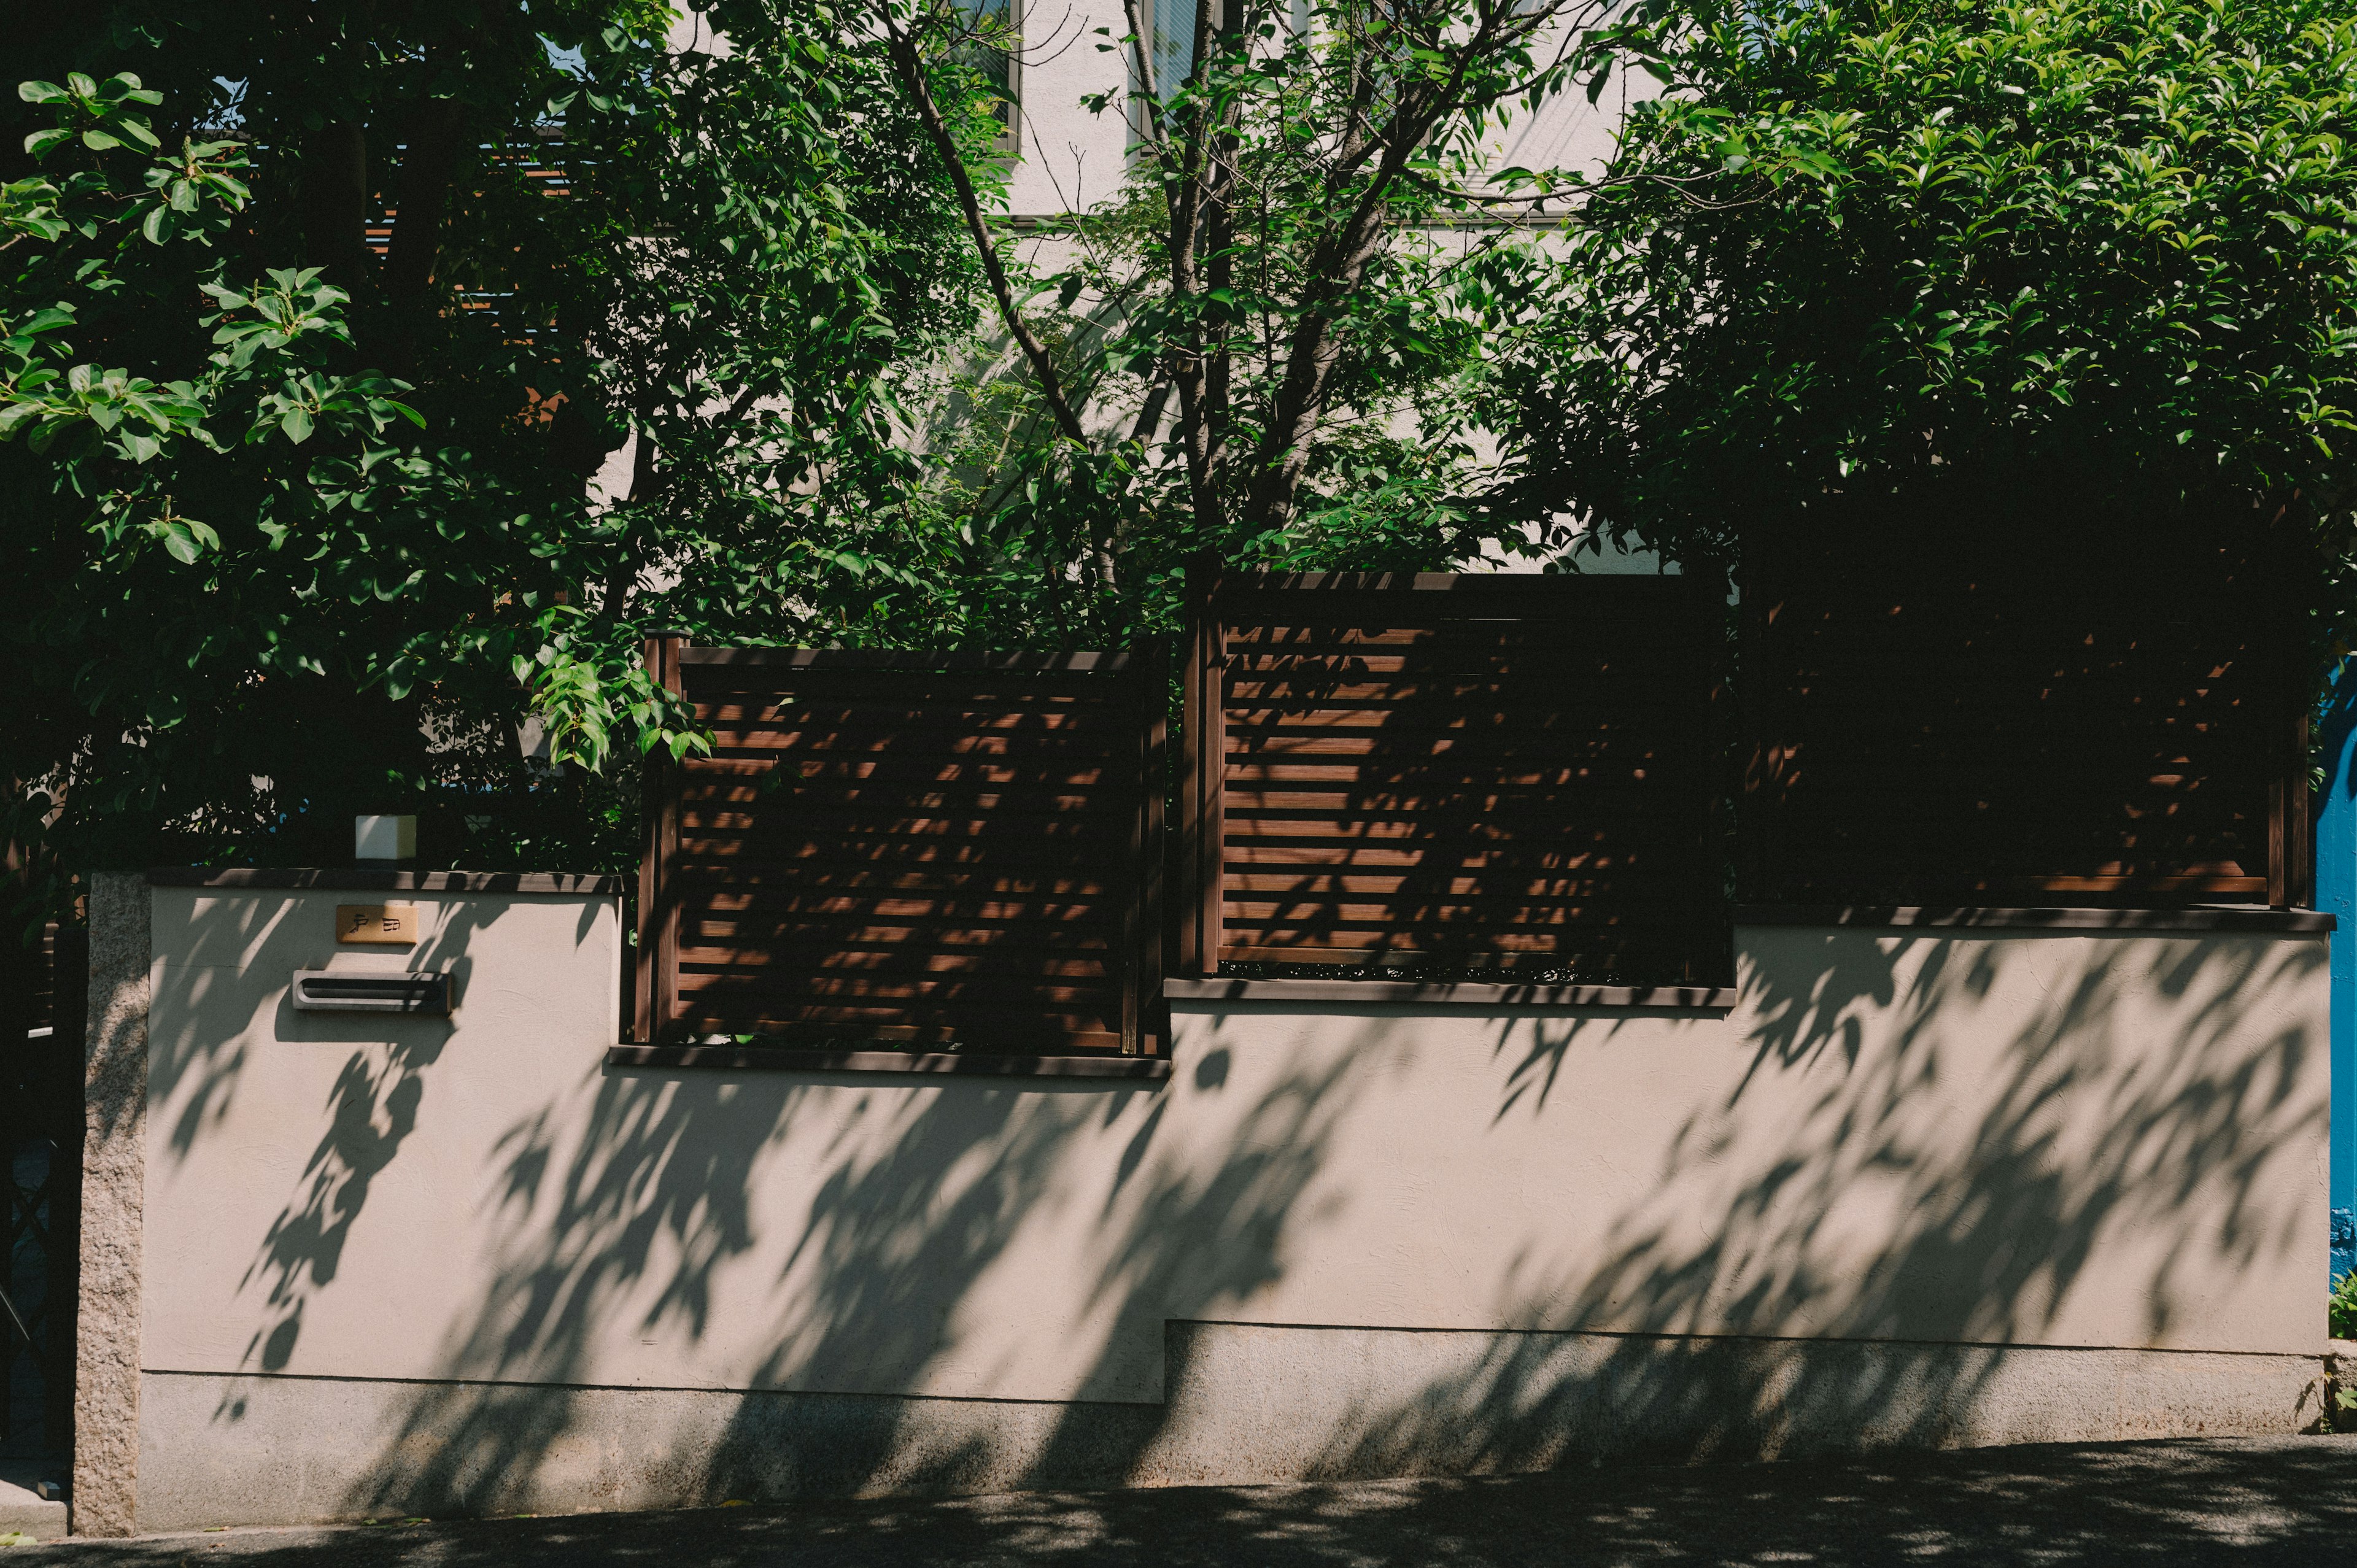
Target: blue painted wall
column 2336, row 893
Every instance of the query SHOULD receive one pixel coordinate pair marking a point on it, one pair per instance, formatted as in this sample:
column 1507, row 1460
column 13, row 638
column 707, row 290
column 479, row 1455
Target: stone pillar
column 113, row 1191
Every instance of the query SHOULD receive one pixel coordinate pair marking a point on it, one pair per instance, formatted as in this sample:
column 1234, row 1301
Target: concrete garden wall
column 1916, row 1186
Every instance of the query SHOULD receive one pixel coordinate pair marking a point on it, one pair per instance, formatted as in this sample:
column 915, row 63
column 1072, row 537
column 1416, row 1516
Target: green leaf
column 297, row 423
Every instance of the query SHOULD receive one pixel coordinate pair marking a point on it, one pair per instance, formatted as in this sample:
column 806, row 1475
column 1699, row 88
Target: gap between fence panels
column 41, row 1123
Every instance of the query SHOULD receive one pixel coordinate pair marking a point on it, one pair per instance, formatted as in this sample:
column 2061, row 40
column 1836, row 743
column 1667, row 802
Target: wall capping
column 1680, row 998
column 986, row 1064
column 917, row 661
column 2204, row 917
column 361, row 879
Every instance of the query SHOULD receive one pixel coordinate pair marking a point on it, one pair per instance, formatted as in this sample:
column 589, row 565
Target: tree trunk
column 437, row 131
column 335, row 205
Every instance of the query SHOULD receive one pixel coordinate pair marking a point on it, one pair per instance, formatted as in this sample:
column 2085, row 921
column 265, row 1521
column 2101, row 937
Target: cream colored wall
column 1070, row 160
column 1074, row 161
column 2020, row 1140
column 303, row 1167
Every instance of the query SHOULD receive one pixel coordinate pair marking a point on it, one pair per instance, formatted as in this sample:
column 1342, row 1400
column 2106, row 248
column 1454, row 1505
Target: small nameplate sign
column 377, row 925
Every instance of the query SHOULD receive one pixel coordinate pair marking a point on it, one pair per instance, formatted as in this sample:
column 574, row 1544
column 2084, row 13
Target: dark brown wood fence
column 1433, row 778
column 1969, row 710
column 925, row 851
column 1438, row 773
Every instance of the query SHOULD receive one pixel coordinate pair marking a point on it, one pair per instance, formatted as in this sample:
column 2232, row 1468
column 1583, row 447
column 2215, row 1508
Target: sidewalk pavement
column 24, row 1510
column 2170, row 1505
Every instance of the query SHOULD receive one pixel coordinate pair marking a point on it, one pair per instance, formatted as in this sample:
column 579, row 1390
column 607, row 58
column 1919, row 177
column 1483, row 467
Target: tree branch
column 910, row 69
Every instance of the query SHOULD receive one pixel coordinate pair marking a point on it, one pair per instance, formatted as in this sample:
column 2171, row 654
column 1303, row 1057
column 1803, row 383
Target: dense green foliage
column 298, row 472
column 1269, row 346
column 301, row 526
column 319, row 319
column 1856, row 250
column 227, row 550
column 758, row 260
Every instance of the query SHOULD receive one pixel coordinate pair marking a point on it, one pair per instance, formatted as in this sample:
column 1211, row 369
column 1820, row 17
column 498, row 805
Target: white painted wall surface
column 1073, row 161
column 349, row 1129
column 2081, row 1140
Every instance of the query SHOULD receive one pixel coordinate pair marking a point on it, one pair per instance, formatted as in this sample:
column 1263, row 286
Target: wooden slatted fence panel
column 927, row 850
column 1972, row 711
column 1437, row 773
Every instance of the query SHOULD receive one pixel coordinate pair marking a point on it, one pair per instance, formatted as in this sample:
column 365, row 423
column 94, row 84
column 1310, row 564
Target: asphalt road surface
column 2289, row 1501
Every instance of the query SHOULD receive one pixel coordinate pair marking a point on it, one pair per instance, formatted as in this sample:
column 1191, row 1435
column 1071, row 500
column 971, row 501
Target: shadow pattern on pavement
column 2267, row 1501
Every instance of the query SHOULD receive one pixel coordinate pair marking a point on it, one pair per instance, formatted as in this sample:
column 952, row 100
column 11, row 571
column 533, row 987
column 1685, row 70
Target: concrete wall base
column 1249, row 1403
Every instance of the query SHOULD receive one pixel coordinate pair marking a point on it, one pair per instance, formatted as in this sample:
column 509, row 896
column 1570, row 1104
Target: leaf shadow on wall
column 1919, row 1228
column 1844, row 1188
column 922, row 1196
column 1893, row 1161
column 370, row 1110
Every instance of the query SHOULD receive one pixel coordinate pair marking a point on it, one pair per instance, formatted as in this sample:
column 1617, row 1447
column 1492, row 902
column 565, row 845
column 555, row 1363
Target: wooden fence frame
column 1202, row 790
column 2289, row 876
column 1201, row 896
column 1144, row 1028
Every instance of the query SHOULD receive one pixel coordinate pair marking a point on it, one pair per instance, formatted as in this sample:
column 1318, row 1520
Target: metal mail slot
column 359, row 991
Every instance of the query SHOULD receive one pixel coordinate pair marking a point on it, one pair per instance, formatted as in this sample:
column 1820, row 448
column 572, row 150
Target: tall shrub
column 1857, row 251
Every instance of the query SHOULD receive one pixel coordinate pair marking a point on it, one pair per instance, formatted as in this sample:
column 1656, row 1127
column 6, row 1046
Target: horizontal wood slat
column 1512, row 770
column 1979, row 703
column 749, row 821
column 1265, row 670
column 880, row 770
column 1001, row 993
column 947, row 850
column 1542, row 963
column 902, row 963
column 843, row 666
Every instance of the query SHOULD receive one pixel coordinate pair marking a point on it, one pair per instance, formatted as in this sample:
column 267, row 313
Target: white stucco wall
column 2083, row 1139
column 1916, row 1186
column 340, row 1118
column 1072, row 161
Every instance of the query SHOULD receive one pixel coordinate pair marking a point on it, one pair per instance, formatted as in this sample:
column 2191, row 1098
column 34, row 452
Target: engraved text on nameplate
column 382, row 925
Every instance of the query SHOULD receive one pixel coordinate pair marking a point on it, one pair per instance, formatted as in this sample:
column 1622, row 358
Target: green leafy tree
column 302, row 524
column 1272, row 347
column 207, row 526
column 763, row 260
column 1862, row 251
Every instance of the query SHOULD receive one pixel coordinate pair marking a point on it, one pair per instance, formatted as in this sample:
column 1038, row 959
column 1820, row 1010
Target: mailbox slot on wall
column 359, row 991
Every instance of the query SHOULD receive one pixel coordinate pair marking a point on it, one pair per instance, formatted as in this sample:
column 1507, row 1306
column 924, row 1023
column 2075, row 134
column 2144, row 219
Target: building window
column 1170, row 42
column 1000, row 67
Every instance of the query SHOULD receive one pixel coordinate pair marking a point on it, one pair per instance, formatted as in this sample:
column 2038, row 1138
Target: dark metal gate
column 40, row 1188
